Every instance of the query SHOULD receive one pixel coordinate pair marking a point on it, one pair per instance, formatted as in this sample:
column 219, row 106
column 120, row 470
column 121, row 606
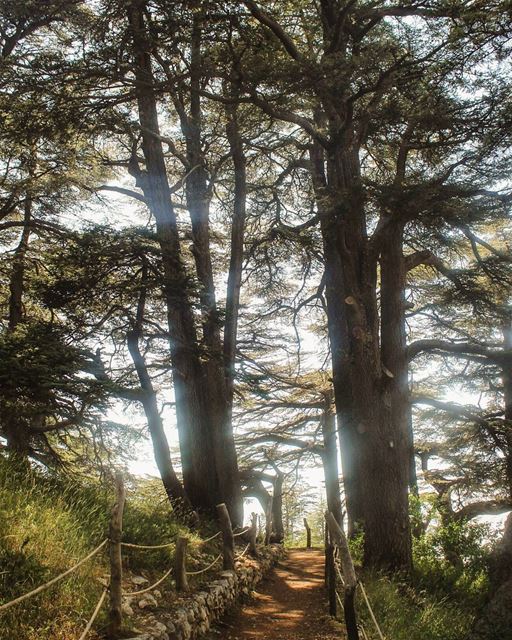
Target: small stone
column 139, row 580
column 159, row 631
column 148, row 602
column 127, row 609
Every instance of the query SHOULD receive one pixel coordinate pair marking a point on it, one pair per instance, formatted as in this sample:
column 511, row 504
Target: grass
column 439, row 602
column 406, row 614
column 47, row 524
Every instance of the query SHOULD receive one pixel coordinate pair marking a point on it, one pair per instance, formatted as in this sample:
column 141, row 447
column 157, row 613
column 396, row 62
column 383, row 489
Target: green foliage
column 404, row 613
column 47, row 524
column 441, row 600
column 44, row 388
column 451, row 561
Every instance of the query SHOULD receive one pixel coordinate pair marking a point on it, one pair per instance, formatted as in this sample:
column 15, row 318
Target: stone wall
column 192, row 615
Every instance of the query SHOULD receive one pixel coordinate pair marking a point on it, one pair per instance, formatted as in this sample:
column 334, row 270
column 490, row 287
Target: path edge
column 193, row 618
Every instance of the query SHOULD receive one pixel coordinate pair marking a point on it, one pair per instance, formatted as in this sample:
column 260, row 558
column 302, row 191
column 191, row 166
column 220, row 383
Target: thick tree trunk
column 277, row 509
column 218, row 399
column 338, row 339
column 373, row 452
column 196, row 442
column 395, row 406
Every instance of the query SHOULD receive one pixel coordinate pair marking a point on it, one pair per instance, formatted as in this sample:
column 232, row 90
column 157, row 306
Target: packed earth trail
column 290, row 604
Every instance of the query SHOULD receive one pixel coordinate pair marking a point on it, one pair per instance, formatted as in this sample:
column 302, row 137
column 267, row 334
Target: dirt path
column 289, row 605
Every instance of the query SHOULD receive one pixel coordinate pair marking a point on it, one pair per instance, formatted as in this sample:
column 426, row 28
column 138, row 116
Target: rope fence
column 215, row 535
column 153, row 586
column 339, row 553
column 115, row 545
column 48, row 584
column 241, row 555
column 94, row 614
column 130, row 545
column 374, row 619
column 212, row 564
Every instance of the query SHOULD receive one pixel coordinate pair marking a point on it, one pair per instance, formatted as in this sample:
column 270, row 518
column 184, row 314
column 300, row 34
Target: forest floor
column 290, row 604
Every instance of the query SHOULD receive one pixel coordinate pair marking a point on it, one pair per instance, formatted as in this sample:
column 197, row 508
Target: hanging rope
column 241, row 555
column 211, row 538
column 95, row 614
column 7, row 605
column 153, row 586
column 196, row 573
column 381, row 635
column 147, row 546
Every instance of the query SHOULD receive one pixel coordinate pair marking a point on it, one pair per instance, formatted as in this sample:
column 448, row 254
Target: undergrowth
column 49, row 523
column 441, row 599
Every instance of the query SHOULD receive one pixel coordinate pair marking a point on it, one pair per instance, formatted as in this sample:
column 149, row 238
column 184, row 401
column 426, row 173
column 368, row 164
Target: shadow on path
column 290, row 604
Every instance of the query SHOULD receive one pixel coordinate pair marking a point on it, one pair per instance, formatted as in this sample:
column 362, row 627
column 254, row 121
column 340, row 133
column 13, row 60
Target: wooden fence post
column 308, row 534
column 326, row 565
column 253, row 532
column 228, row 541
column 349, row 575
column 331, row 579
column 116, row 567
column 180, row 564
column 268, row 523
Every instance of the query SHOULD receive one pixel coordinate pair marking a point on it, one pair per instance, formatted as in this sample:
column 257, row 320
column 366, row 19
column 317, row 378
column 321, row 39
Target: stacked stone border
column 191, row 616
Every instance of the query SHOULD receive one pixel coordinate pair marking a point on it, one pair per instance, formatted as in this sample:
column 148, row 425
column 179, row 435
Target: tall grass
column 46, row 526
column 49, row 523
column 440, row 601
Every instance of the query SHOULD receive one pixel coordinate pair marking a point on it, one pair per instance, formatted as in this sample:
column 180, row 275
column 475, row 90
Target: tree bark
column 338, row 340
column 218, row 397
column 372, row 445
column 196, row 442
column 395, row 404
column 277, row 509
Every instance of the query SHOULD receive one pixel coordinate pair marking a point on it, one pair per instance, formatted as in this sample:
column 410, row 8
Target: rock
column 195, row 613
column 148, row 602
column 159, row 631
column 127, row 609
column 139, row 580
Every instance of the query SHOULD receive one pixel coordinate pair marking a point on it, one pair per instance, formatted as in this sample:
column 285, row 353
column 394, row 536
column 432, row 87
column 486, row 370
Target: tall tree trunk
column 396, row 407
column 338, row 340
column 374, row 455
column 217, row 397
column 507, row 395
column 237, row 244
column 277, row 508
column 196, row 442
